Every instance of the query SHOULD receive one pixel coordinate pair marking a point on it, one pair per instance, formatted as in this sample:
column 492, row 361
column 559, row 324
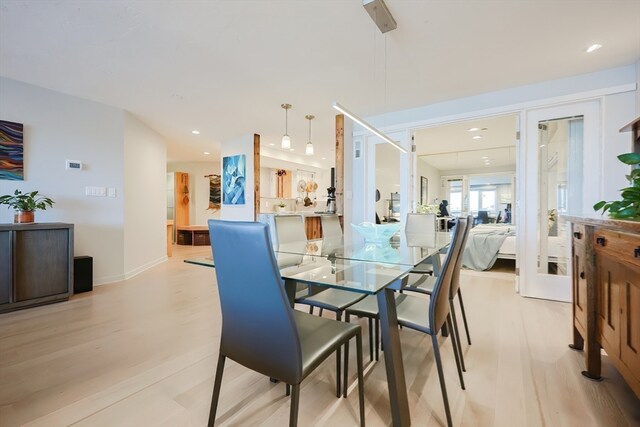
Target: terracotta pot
column 21, row 217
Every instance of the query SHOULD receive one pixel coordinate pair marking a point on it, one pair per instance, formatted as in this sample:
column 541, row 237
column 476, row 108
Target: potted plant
column 25, row 204
column 281, row 206
column 629, row 206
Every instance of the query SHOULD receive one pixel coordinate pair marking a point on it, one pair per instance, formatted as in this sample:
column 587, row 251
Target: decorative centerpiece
column 281, row 206
column 25, row 204
column 376, row 233
column 629, row 206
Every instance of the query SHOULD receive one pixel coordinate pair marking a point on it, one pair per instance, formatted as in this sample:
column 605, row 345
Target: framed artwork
column 11, row 151
column 424, row 190
column 215, row 193
column 234, row 170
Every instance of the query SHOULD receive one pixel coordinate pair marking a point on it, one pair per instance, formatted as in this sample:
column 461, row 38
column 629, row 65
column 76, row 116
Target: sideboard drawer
column 625, row 247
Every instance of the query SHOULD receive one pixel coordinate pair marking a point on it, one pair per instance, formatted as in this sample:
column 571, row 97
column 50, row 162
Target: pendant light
column 309, row 149
column 286, row 141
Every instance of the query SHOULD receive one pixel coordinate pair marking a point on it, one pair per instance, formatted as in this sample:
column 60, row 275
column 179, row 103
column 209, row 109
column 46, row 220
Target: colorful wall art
column 215, row 196
column 233, row 179
column 11, row 151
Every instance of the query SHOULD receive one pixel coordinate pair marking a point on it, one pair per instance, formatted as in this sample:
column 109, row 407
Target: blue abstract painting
column 233, row 178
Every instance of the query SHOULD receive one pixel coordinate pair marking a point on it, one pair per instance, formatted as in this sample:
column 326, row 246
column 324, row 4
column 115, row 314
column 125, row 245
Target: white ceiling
column 224, row 67
column 452, row 147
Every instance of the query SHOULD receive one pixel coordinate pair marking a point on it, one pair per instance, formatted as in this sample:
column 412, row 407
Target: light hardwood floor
column 143, row 353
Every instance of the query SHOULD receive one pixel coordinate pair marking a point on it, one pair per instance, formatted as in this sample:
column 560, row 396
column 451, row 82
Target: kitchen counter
column 303, row 213
column 313, row 225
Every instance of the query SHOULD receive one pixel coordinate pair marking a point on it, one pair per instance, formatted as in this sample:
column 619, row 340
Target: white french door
column 561, row 177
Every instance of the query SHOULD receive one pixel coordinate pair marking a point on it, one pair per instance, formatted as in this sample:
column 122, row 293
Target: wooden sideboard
column 36, row 264
column 606, row 294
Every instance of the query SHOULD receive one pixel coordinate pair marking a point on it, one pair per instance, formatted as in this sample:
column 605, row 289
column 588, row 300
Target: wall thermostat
column 74, row 164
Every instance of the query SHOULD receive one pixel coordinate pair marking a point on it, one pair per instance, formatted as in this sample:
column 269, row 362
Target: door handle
column 600, row 241
column 577, row 235
column 636, row 252
column 582, row 274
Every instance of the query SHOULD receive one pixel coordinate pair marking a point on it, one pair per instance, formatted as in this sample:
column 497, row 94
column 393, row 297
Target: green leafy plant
column 26, row 202
column 629, row 206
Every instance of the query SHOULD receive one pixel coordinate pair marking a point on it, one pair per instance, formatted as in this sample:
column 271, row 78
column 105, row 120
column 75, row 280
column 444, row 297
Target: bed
column 489, row 242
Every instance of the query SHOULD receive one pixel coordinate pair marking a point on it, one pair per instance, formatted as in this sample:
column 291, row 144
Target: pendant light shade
column 309, row 149
column 286, row 141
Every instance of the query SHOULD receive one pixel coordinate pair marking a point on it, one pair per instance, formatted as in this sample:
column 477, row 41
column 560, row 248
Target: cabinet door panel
column 5, row 267
column 609, row 283
column 41, row 263
column 630, row 345
column 579, row 285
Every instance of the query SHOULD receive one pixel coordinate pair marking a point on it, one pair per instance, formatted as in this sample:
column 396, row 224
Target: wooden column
column 340, row 164
column 256, row 176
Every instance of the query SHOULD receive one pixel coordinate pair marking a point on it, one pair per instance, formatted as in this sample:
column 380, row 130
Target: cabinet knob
column 600, row 241
column 582, row 274
column 636, row 252
column 577, row 235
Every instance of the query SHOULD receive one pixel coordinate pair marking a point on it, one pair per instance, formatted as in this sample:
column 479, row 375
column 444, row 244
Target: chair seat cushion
column 413, row 312
column 421, row 283
column 319, row 337
column 332, row 299
column 367, row 307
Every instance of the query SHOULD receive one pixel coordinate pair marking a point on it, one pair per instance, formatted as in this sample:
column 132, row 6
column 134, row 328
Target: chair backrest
column 439, row 303
column 455, row 282
column 483, row 217
column 499, row 217
column 290, row 228
column 331, row 226
column 258, row 326
column 420, row 223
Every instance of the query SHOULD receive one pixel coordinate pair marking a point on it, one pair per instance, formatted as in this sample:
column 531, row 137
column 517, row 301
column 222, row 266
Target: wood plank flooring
column 143, row 352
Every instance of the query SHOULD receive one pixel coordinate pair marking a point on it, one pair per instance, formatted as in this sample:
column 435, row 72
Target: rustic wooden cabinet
column 36, row 264
column 606, row 294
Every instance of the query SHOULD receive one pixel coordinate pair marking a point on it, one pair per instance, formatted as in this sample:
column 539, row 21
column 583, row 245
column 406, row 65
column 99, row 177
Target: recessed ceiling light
column 272, row 144
column 195, row 132
column 291, row 149
column 593, row 47
column 324, row 158
column 207, row 153
column 485, row 157
column 477, row 137
column 475, row 129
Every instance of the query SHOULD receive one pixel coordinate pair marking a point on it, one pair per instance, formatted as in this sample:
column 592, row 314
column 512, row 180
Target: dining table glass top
column 352, row 275
column 408, row 249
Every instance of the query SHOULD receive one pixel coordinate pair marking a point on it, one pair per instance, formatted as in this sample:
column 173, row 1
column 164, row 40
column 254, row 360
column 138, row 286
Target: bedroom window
column 482, row 200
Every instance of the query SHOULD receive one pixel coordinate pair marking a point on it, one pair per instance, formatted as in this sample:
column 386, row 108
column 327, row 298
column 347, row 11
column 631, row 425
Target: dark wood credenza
column 36, row 264
column 606, row 294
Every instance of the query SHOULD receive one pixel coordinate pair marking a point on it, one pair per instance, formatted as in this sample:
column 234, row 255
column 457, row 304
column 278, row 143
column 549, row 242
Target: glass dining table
column 373, row 268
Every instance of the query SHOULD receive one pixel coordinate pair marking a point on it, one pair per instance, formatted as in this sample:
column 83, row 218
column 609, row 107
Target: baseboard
column 143, row 267
column 105, row 280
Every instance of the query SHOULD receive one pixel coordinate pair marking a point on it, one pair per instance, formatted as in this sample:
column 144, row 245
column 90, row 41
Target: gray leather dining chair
column 260, row 329
column 421, row 224
column 290, row 230
column 425, row 284
column 331, row 228
column 427, row 316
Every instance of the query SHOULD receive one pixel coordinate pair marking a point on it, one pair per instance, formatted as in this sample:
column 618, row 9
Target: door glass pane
column 560, row 190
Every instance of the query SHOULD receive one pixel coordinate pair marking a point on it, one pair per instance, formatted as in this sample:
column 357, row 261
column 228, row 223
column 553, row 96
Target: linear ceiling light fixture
column 286, row 141
column 367, row 126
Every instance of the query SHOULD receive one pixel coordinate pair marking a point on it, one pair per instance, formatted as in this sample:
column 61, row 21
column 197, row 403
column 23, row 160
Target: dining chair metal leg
column 360, row 378
column 321, row 310
column 456, row 353
column 310, row 309
column 378, row 343
column 217, row 383
column 443, row 387
column 464, row 316
column 338, row 361
column 456, row 334
column 287, row 389
column 295, row 400
column 371, row 339
column 345, row 380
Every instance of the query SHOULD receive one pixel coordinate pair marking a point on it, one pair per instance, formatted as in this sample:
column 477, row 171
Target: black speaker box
column 82, row 274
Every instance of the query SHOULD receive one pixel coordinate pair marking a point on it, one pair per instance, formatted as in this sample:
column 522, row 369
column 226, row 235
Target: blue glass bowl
column 376, row 233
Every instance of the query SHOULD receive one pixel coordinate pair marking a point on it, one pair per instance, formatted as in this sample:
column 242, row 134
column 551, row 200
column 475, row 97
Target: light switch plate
column 73, row 164
column 111, row 192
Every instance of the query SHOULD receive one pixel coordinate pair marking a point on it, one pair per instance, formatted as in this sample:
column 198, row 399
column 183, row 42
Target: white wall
column 199, row 212
column 433, row 175
column 145, row 196
column 242, row 145
column 124, row 234
column 387, row 176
